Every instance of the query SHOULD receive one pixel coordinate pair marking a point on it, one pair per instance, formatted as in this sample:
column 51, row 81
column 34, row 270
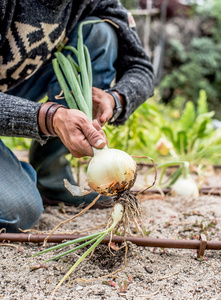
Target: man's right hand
column 77, row 133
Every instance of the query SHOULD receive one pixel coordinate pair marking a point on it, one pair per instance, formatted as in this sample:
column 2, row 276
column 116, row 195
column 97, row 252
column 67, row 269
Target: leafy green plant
column 194, row 138
column 196, row 66
column 191, row 141
column 201, row 69
column 139, row 133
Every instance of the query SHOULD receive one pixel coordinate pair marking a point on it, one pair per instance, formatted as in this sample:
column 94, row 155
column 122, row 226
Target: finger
column 99, row 129
column 97, row 125
column 105, row 117
column 80, row 147
column 104, row 114
column 94, row 137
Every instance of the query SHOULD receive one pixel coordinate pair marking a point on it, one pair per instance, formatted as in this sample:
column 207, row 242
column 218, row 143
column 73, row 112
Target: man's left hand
column 103, row 105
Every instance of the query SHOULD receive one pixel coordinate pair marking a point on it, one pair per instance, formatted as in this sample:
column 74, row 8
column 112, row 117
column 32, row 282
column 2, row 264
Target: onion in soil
column 126, row 209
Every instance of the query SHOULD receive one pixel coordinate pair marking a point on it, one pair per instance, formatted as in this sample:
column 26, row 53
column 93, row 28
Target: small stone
column 79, row 287
column 99, row 292
column 150, row 271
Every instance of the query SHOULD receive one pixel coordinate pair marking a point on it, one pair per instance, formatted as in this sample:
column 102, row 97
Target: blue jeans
column 20, row 201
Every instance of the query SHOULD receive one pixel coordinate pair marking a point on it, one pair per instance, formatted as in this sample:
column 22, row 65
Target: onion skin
column 111, row 171
column 112, row 189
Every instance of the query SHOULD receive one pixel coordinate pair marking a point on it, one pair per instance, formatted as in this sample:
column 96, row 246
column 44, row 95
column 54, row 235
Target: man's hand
column 77, row 133
column 103, row 106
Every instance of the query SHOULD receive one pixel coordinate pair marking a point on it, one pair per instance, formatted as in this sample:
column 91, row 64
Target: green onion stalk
column 94, row 239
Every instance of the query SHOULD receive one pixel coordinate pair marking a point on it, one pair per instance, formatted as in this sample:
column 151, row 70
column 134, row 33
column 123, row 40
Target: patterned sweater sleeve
column 19, row 117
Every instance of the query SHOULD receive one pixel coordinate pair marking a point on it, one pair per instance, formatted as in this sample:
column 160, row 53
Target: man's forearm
column 19, row 117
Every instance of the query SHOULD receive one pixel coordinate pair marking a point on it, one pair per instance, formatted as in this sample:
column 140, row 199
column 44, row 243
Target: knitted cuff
column 45, row 117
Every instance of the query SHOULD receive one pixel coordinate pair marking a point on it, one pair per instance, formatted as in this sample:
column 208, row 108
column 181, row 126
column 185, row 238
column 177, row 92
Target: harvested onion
column 186, row 187
column 111, row 171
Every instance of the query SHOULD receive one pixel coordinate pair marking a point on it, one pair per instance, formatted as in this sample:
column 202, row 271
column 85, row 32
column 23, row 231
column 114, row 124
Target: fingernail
column 99, row 142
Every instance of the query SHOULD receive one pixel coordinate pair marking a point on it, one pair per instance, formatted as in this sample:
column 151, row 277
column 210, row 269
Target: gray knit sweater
column 29, row 33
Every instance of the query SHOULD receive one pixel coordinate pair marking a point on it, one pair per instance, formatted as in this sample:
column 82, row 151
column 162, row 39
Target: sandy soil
column 150, row 273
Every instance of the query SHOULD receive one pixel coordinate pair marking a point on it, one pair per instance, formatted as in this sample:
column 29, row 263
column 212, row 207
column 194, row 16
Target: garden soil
column 150, row 273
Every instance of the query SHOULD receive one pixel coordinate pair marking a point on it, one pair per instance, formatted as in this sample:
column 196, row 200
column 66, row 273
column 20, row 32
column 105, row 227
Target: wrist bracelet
column 45, row 117
column 42, row 112
column 49, row 117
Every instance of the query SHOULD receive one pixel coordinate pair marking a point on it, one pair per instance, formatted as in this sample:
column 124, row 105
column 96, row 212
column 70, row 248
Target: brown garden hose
column 201, row 245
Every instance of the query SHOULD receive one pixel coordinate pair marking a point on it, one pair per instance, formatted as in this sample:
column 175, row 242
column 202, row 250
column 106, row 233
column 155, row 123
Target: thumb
column 94, row 137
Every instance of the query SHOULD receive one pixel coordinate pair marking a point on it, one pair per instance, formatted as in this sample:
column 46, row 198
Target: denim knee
column 98, row 37
column 102, row 35
column 20, row 201
column 20, row 212
column 102, row 43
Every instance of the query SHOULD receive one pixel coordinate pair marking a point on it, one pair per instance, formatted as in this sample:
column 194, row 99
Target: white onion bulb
column 117, row 213
column 185, row 187
column 111, row 171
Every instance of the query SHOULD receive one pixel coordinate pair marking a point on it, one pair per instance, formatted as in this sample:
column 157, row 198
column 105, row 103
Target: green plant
column 139, row 133
column 201, row 69
column 190, row 141
column 194, row 138
column 196, row 66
